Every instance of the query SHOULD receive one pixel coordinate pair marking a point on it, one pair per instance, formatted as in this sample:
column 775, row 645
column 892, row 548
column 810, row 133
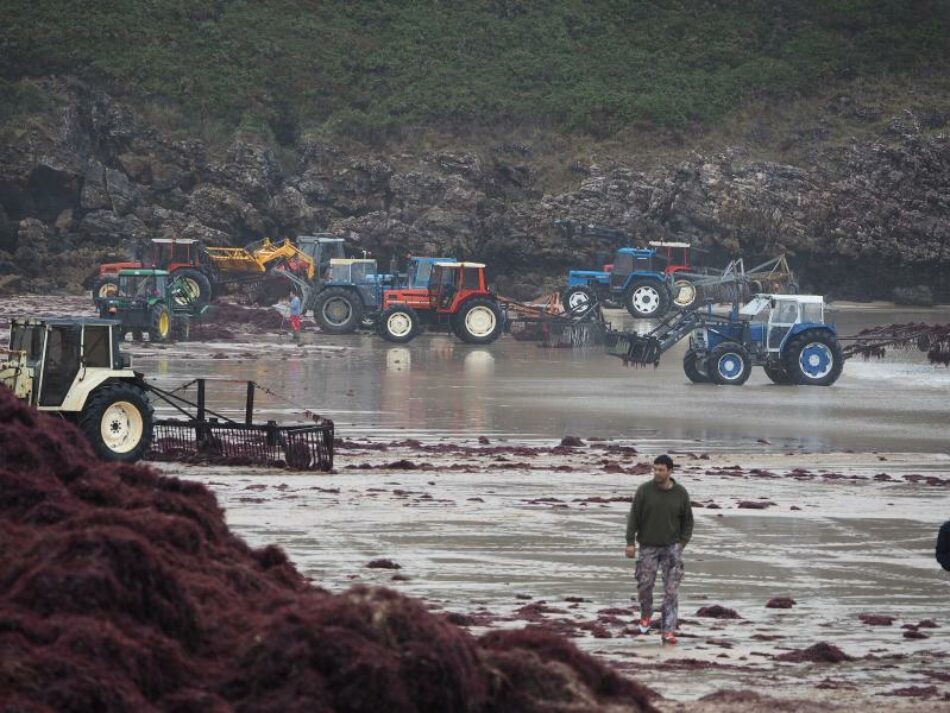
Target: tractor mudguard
column 802, row 326
column 660, row 278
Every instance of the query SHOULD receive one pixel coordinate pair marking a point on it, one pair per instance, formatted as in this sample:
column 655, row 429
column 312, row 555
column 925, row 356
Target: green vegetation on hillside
column 363, row 67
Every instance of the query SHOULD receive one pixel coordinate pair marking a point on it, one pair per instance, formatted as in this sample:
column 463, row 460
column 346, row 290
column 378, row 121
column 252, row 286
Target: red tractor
column 457, row 299
column 183, row 258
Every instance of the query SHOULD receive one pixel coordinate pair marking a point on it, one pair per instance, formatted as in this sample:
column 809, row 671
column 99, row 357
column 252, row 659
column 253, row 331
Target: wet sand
column 487, row 533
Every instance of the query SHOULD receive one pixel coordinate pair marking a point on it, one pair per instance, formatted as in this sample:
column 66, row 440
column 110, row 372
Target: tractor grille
column 301, row 447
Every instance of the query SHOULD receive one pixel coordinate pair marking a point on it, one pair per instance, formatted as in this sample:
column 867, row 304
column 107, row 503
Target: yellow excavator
column 260, row 257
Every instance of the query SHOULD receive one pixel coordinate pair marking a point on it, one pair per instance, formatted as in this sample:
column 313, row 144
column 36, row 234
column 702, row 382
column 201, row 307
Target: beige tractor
column 71, row 366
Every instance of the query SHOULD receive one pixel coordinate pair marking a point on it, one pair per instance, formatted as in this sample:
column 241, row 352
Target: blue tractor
column 637, row 280
column 784, row 334
column 351, row 292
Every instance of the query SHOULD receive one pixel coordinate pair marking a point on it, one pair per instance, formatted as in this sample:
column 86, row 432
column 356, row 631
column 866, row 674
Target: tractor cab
column 420, row 269
column 57, row 356
column 322, row 249
column 774, row 317
column 143, row 286
column 451, row 283
column 675, row 254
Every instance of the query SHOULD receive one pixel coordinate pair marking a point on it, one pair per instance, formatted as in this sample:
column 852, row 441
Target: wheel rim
column 108, row 289
column 121, row 427
column 730, row 366
column 685, row 293
column 646, row 299
column 399, row 324
column 480, row 321
column 816, row 360
column 577, row 299
column 191, row 289
column 164, row 323
column 337, row 311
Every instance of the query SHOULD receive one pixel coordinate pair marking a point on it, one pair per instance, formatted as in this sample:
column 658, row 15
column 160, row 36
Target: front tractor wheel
column 399, row 324
column 160, row 324
column 338, row 310
column 729, row 364
column 479, row 321
column 117, row 420
column 694, row 366
column 647, row 299
column 578, row 299
column 813, row 358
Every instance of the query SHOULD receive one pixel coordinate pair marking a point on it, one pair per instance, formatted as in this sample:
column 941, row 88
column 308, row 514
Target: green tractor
column 149, row 302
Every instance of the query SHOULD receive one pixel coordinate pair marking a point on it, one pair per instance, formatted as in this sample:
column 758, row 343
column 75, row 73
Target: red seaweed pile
column 123, row 590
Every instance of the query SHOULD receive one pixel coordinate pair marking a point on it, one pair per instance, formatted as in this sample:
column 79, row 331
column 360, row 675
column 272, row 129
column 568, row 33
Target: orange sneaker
column 645, row 625
column 668, row 637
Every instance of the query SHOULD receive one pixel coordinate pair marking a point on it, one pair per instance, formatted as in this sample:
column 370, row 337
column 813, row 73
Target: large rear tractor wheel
column 694, row 366
column 160, row 324
column 105, row 287
column 195, row 287
column 776, row 372
column 338, row 310
column 813, row 358
column 647, row 299
column 578, row 299
column 479, row 321
column 399, row 324
column 685, row 294
column 729, row 364
column 117, row 420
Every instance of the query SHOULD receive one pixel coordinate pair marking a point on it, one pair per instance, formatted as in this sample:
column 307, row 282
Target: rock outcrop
column 86, row 178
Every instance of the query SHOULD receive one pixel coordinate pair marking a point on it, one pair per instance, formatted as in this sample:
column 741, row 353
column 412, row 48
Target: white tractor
column 71, row 366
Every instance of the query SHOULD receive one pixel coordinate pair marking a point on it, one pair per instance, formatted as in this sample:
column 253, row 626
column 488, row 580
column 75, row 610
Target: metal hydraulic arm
column 643, row 349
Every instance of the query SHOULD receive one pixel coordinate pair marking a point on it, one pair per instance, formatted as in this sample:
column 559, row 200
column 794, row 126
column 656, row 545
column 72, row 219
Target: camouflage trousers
column 668, row 559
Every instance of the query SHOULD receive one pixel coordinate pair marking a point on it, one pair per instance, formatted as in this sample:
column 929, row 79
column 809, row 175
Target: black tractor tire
column 399, row 324
column 694, row 366
column 728, row 364
column 338, row 310
column 118, row 420
column 685, row 294
column 160, row 324
column 478, row 321
column 647, row 299
column 578, row 300
column 195, row 280
column 105, row 286
column 776, row 372
column 813, row 358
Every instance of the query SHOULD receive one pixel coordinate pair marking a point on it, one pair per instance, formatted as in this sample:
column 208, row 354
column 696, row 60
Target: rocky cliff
column 83, row 177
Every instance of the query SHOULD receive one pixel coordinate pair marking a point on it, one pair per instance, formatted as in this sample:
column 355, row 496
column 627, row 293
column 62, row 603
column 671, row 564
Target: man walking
column 295, row 311
column 661, row 520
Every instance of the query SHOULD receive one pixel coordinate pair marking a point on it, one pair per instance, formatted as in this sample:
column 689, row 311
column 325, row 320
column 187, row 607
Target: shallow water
column 439, row 386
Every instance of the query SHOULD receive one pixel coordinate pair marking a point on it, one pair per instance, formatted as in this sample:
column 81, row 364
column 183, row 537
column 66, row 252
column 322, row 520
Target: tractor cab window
column 470, row 280
column 29, row 339
column 419, row 272
column 444, row 286
column 95, row 347
column 785, row 313
column 623, row 264
column 363, row 272
column 141, row 287
column 61, row 363
column 813, row 312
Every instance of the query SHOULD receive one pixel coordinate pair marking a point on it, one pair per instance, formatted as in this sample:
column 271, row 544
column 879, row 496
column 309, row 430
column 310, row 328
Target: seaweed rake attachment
column 634, row 349
column 874, row 342
column 204, row 436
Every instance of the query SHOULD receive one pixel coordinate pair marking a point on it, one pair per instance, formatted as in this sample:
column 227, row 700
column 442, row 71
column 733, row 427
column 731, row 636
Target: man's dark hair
column 664, row 460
